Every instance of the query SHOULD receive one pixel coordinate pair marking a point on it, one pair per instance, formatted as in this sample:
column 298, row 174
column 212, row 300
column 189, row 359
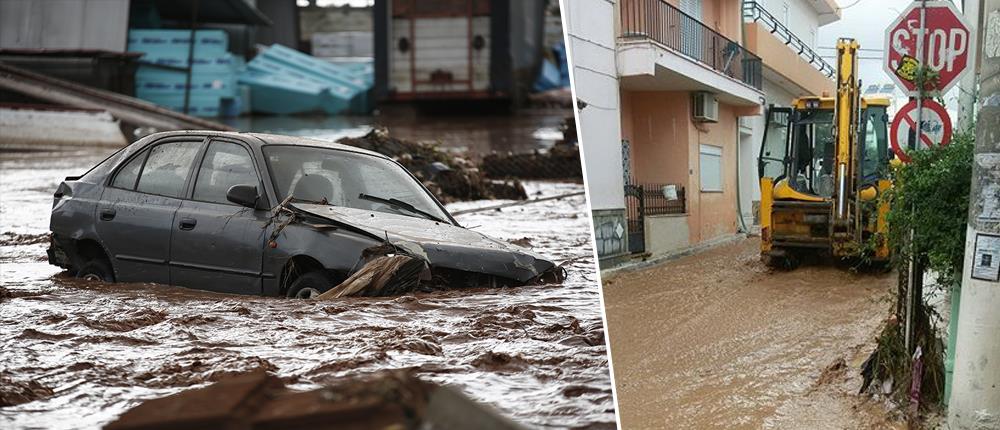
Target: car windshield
column 348, row 179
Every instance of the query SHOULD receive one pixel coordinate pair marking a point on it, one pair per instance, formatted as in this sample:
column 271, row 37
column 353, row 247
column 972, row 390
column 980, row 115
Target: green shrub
column 930, row 195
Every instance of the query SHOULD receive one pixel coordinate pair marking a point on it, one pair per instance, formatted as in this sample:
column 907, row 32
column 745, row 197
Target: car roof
column 264, row 139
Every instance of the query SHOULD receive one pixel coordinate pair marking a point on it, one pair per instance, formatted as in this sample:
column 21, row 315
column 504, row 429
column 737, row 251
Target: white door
column 692, row 32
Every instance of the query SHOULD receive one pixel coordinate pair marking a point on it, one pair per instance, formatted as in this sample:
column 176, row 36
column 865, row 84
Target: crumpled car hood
column 443, row 245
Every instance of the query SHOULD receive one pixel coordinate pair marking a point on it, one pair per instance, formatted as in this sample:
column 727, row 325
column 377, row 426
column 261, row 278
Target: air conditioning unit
column 706, row 107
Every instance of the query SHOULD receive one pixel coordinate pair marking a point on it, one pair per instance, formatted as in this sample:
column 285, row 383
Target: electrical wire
column 850, row 5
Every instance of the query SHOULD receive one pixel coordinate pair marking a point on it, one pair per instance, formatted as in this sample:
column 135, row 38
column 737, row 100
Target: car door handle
column 188, row 223
column 107, row 214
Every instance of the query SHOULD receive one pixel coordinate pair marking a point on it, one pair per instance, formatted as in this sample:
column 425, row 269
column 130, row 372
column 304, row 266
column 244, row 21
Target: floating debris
column 562, row 161
column 391, row 399
column 449, row 177
column 383, row 276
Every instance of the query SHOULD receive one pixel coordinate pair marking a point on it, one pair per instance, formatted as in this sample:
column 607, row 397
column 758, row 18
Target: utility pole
column 967, row 86
column 967, row 92
column 975, row 395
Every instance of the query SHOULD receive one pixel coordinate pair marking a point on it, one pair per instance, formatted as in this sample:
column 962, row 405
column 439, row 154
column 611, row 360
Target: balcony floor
column 646, row 65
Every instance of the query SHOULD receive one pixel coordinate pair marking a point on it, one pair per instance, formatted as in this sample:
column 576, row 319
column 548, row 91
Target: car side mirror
column 243, row 195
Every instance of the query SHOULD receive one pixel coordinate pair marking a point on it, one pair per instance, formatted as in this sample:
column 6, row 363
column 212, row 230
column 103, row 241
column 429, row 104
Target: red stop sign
column 946, row 45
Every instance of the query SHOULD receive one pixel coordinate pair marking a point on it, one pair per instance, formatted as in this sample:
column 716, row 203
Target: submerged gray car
column 265, row 214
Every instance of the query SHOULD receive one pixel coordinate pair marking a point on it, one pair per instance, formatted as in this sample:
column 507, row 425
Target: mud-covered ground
column 715, row 340
column 89, row 351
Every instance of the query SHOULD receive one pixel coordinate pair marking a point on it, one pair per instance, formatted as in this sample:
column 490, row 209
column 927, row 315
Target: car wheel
column 310, row 285
column 96, row 270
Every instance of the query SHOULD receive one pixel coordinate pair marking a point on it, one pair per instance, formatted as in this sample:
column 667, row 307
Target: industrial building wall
column 285, row 30
column 64, row 24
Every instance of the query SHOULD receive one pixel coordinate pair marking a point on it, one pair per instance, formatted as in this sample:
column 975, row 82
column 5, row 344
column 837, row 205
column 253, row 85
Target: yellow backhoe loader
column 823, row 164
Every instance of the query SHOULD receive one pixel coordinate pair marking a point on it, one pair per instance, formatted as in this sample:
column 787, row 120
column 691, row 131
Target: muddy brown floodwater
column 89, row 351
column 469, row 133
column 715, row 340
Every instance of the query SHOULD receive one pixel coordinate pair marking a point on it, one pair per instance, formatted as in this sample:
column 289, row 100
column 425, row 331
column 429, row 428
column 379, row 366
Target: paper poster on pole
column 986, row 258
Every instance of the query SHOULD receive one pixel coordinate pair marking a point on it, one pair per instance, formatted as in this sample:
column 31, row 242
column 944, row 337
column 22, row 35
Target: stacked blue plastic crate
column 162, row 77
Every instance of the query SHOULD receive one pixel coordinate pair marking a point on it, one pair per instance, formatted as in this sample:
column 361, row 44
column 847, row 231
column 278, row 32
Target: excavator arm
column 846, row 112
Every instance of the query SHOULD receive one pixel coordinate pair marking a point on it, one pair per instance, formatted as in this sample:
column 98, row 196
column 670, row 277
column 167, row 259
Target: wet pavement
column 535, row 353
column 716, row 340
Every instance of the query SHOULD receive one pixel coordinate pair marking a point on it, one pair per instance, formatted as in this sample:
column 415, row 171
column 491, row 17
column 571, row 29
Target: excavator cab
column 798, row 168
column 800, row 148
column 799, row 144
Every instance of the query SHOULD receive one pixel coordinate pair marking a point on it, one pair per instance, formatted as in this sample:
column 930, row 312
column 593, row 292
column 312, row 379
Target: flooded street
column 523, row 131
column 91, row 351
column 715, row 340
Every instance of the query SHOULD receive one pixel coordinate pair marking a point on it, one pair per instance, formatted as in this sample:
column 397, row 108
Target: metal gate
column 635, row 212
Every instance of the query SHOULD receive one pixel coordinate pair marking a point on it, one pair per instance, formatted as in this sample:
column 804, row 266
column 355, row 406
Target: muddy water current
column 92, row 350
column 716, row 340
column 467, row 133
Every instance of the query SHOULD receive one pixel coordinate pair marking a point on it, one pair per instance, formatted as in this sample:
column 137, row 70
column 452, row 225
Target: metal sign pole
column 912, row 269
column 921, row 60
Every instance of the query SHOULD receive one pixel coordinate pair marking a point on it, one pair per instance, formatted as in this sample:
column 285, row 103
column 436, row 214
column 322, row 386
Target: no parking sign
column 935, row 126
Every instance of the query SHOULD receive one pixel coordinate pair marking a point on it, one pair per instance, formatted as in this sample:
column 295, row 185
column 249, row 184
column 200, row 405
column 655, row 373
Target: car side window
column 167, row 168
column 125, row 179
column 225, row 164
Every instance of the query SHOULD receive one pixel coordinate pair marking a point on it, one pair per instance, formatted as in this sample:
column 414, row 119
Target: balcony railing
column 754, row 12
column 662, row 22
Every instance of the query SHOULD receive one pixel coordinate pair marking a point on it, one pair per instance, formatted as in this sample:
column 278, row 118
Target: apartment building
column 783, row 33
column 591, row 33
column 670, row 101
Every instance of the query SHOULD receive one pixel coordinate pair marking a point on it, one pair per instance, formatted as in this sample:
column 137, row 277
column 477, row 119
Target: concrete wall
column 785, row 62
column 610, row 233
column 657, row 125
column 802, row 19
column 64, row 24
column 723, row 16
column 665, row 143
column 666, row 233
column 713, row 214
column 590, row 28
column 27, row 128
